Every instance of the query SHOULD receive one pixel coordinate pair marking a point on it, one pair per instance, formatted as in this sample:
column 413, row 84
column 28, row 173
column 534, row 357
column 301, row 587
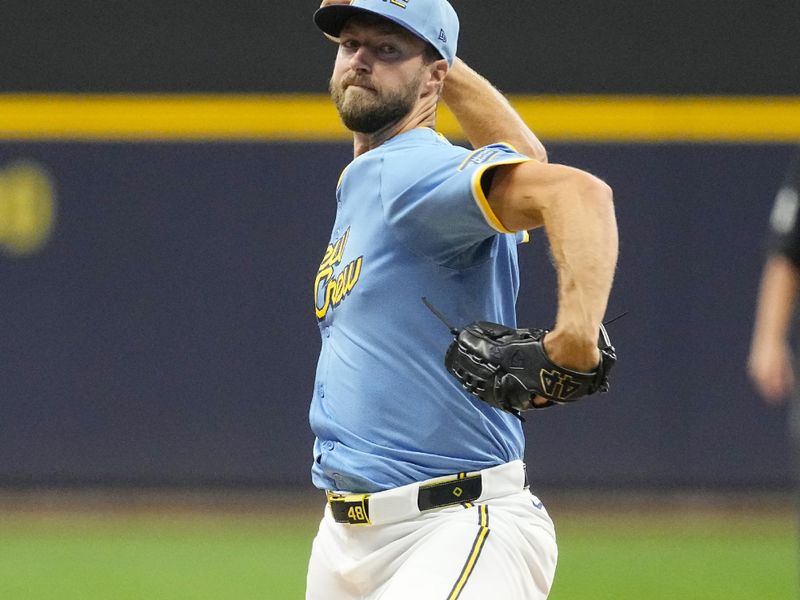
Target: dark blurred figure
column 771, row 363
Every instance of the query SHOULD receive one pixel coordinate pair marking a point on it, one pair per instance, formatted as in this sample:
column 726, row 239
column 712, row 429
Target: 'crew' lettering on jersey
column 329, row 288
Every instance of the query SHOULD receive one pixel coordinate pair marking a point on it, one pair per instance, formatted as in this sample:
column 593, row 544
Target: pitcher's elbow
column 594, row 190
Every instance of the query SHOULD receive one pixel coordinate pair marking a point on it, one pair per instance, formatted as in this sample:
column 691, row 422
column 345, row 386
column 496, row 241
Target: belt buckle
column 352, row 509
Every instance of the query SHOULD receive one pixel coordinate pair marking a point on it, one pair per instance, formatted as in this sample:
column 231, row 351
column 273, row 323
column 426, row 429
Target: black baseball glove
column 508, row 367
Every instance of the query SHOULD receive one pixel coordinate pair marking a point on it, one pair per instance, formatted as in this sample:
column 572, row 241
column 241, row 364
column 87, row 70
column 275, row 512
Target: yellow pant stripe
column 474, row 553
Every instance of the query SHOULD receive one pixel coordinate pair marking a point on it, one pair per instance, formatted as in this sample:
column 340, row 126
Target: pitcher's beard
column 365, row 111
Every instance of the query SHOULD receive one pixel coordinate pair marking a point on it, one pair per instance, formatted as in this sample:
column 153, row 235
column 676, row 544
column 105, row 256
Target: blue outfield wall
column 165, row 334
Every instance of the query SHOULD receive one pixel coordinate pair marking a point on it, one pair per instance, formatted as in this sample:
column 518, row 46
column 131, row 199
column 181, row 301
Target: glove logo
column 557, row 385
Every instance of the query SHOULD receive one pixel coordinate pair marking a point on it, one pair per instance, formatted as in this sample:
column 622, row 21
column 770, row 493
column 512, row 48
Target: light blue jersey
column 412, row 221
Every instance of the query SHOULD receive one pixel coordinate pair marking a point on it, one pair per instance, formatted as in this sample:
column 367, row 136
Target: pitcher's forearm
column 582, row 232
column 485, row 114
column 777, row 298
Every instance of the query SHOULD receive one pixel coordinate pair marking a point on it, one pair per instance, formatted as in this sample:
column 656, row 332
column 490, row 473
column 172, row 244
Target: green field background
column 103, row 552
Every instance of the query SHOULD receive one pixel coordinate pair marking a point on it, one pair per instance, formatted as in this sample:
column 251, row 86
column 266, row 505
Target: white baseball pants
column 501, row 546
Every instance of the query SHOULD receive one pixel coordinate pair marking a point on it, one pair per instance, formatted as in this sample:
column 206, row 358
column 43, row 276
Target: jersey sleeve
column 784, row 236
column 433, row 200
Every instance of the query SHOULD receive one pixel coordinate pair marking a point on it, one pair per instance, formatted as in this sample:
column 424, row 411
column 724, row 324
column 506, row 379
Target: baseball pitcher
column 419, row 442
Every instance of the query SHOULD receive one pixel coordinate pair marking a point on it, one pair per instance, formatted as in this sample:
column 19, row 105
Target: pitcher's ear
column 439, row 70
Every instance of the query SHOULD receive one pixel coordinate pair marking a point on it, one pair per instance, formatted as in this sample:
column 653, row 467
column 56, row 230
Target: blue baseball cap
column 435, row 21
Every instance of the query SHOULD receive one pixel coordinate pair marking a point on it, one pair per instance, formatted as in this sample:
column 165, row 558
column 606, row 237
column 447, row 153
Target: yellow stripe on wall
column 313, row 118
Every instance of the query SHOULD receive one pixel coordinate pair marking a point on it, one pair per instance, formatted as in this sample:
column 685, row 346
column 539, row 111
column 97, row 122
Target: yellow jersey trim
column 480, row 197
column 341, row 176
column 510, row 145
column 309, row 117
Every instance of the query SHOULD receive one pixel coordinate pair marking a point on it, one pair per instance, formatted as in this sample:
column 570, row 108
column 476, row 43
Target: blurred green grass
column 184, row 556
column 153, row 557
column 692, row 557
